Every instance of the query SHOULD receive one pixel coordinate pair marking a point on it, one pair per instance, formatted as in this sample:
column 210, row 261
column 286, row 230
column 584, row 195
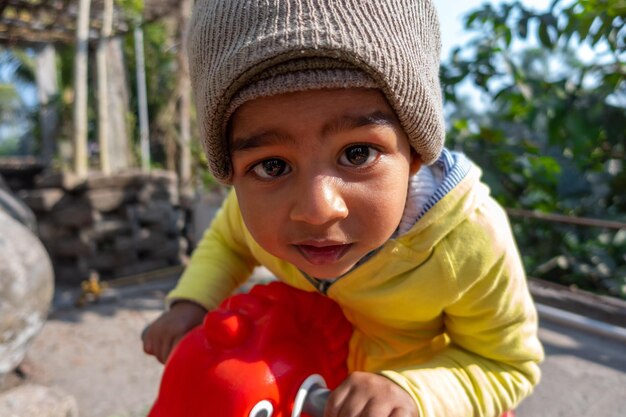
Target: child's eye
column 358, row 155
column 271, row 168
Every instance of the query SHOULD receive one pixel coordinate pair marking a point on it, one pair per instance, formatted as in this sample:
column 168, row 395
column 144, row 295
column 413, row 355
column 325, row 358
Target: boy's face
column 321, row 176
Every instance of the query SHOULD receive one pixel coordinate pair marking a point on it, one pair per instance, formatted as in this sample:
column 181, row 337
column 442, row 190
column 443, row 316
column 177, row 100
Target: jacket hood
column 456, row 199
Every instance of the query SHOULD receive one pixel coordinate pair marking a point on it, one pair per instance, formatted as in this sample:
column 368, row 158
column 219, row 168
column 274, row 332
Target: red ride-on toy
column 273, row 352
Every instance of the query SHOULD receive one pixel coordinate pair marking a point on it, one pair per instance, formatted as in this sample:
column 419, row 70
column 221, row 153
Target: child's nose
column 319, row 201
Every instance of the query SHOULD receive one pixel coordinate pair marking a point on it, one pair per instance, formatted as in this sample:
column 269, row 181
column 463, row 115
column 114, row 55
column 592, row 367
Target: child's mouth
column 323, row 255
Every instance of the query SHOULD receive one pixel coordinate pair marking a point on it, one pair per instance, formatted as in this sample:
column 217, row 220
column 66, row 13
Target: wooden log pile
column 116, row 225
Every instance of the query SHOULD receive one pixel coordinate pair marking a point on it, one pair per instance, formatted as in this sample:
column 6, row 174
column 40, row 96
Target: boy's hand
column 365, row 394
column 160, row 337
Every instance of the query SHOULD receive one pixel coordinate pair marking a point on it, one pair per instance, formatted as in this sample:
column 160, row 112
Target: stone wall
column 117, row 225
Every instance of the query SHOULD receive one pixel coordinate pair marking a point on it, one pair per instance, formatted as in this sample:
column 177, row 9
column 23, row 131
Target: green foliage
column 205, row 179
column 553, row 137
column 17, row 119
column 132, row 9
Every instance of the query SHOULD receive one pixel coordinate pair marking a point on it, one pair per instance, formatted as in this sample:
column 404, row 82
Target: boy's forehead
column 275, row 133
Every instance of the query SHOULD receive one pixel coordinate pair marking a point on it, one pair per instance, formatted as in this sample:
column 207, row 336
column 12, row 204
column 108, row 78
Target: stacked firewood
column 116, row 225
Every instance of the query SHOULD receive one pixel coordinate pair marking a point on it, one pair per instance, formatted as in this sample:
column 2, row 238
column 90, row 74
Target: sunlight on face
column 321, row 176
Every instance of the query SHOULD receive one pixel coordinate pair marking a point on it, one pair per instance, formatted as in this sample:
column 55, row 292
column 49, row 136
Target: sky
column 451, row 13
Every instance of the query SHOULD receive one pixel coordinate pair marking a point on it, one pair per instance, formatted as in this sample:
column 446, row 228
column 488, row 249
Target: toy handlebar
column 316, row 401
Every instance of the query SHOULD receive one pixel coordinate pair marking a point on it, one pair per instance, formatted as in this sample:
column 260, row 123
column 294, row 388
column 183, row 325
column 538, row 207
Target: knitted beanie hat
column 244, row 49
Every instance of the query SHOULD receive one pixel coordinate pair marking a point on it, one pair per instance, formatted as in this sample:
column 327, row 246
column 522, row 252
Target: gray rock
column 3, row 184
column 42, row 200
column 65, row 180
column 109, row 199
column 79, row 214
column 73, row 246
column 16, row 208
column 37, row 401
column 107, row 229
column 26, row 288
column 50, row 231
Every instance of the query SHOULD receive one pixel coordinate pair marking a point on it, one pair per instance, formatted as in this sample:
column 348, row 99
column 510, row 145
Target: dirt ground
column 94, row 353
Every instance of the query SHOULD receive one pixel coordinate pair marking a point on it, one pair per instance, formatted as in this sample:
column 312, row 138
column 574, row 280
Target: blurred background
column 100, row 156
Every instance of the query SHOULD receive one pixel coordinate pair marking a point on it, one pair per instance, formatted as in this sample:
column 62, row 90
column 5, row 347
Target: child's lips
column 323, row 254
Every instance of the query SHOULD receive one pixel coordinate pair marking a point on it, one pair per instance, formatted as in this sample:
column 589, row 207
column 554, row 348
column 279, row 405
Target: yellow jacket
column 443, row 310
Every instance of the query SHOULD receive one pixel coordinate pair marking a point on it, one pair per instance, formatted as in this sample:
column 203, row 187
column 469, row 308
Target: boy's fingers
column 158, row 349
column 335, row 400
column 147, row 347
column 398, row 413
column 164, row 351
column 176, row 340
column 168, row 350
column 147, row 341
column 168, row 346
column 144, row 332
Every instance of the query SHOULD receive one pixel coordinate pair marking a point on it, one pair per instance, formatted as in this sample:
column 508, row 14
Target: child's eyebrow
column 267, row 138
column 377, row 118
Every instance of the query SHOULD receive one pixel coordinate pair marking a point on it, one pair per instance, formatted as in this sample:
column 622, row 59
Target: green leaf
column 584, row 25
column 461, row 124
column 544, row 35
column 570, row 27
column 522, row 27
column 469, row 20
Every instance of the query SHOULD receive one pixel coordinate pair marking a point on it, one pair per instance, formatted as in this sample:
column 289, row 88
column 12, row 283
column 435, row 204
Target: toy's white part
column 260, row 407
column 310, row 382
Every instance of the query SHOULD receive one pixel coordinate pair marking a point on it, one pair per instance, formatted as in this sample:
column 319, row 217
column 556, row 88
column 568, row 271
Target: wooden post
column 80, row 90
column 103, row 90
column 120, row 152
column 185, row 101
column 48, row 94
column 142, row 99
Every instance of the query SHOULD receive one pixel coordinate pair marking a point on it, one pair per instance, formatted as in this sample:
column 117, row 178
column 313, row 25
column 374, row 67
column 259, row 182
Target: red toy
column 259, row 354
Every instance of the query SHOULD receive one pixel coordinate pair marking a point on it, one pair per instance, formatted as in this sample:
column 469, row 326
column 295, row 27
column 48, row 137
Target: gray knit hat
column 244, row 49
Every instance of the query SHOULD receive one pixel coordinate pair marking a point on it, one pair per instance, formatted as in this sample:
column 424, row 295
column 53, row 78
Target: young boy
column 326, row 117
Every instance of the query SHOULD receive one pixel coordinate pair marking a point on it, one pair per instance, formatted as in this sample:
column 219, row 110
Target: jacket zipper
column 320, row 285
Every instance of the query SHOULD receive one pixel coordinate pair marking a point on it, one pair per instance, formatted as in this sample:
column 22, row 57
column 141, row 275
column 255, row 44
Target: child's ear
column 416, row 162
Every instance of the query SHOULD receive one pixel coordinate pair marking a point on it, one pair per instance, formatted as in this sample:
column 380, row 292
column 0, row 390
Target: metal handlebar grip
column 316, row 400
